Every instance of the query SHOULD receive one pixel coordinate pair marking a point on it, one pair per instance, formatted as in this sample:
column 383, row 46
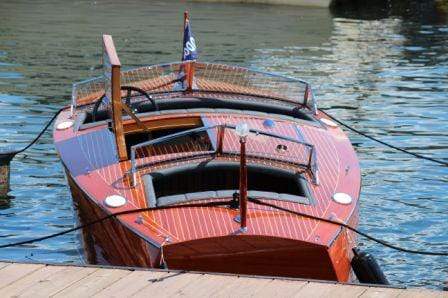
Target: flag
column 189, row 44
column 189, row 54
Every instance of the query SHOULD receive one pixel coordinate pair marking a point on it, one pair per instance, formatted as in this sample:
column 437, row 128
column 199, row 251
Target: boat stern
column 260, row 255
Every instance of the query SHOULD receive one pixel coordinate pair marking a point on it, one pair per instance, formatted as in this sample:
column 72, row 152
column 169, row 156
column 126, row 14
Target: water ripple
column 387, row 76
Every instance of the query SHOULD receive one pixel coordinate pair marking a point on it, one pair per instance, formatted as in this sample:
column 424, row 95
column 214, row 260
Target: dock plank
column 171, row 285
column 377, row 292
column 314, row 289
column 17, row 287
column 281, row 288
column 131, row 284
column 194, row 287
column 93, row 283
column 205, row 287
column 422, row 293
column 40, row 280
column 3, row 265
column 14, row 272
column 57, row 282
column 242, row 286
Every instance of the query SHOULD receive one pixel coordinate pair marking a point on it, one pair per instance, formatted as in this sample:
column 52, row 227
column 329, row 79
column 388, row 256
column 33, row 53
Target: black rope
column 8, row 155
column 42, row 131
column 210, row 204
column 255, row 201
column 228, row 203
column 379, row 241
column 11, row 154
column 441, row 162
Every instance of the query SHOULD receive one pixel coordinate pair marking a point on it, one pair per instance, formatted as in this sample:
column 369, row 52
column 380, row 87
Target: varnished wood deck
column 41, row 280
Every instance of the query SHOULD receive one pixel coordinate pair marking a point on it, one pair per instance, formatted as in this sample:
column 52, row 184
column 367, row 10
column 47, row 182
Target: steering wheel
column 129, row 90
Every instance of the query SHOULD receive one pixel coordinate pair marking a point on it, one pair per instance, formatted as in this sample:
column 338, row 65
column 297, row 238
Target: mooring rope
column 222, row 203
column 374, row 239
column 112, row 215
column 14, row 152
column 441, row 162
column 255, row 201
column 438, row 161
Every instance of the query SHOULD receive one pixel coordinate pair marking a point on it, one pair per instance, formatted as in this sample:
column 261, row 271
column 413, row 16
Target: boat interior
column 157, row 124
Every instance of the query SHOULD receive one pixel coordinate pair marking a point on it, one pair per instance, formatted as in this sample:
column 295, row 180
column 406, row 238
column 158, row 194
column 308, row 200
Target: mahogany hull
column 176, row 153
column 112, row 243
column 258, row 255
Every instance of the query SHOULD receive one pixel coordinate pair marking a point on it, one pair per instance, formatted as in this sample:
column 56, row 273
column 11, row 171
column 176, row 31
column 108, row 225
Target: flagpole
column 189, row 66
column 186, row 16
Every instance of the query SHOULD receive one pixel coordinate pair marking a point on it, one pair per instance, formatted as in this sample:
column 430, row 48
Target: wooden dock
column 43, row 280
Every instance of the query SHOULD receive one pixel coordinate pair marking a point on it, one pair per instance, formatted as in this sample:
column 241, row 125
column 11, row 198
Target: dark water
column 385, row 72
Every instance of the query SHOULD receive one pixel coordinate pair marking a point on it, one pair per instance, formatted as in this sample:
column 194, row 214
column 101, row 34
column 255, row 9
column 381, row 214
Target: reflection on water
column 386, row 73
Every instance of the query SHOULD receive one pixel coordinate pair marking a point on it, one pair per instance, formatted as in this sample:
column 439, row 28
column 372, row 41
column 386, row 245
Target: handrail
column 312, row 160
column 228, row 65
column 93, row 86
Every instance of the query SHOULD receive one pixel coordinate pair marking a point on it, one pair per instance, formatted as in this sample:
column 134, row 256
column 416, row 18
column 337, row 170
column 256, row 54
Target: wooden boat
column 198, row 143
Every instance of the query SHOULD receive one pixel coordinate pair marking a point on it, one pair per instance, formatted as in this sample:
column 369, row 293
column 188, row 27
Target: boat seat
column 191, row 196
column 293, row 198
column 202, row 181
column 204, row 105
column 176, row 111
column 256, row 194
column 222, row 194
column 263, row 194
column 225, row 193
column 86, row 122
column 215, row 111
column 188, row 197
column 170, row 200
